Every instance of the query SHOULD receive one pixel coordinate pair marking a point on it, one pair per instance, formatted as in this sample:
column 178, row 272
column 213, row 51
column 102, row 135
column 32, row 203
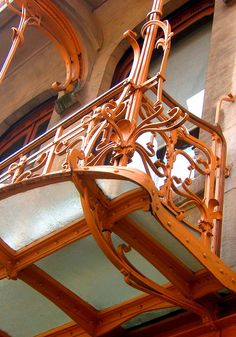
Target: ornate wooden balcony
column 122, row 153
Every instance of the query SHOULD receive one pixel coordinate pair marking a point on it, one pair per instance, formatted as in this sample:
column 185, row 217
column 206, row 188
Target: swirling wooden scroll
column 102, row 227
column 47, row 17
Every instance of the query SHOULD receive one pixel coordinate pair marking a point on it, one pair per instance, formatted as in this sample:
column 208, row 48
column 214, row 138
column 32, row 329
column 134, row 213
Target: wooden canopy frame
column 99, row 142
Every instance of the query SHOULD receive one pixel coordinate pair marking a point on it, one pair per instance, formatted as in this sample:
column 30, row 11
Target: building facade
column 89, row 245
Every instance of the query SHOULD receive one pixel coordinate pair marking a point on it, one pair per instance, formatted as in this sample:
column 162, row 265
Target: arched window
column 30, row 127
column 186, row 68
column 188, row 58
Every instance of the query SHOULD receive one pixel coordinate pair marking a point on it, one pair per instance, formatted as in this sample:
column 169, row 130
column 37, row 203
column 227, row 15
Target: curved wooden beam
column 101, row 229
column 47, row 17
column 168, row 264
column 202, row 253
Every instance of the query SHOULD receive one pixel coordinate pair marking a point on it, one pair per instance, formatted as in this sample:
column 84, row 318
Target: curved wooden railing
column 136, row 133
column 95, row 132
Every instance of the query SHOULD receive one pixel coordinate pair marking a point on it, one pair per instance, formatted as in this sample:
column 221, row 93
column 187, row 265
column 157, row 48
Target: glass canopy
column 98, row 219
column 30, row 215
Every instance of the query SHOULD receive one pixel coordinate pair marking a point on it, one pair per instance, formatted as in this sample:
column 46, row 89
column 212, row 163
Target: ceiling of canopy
column 99, row 245
column 81, row 270
column 80, row 267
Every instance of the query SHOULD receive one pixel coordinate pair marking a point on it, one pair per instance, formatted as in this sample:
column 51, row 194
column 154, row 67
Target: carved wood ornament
column 100, row 142
column 48, row 18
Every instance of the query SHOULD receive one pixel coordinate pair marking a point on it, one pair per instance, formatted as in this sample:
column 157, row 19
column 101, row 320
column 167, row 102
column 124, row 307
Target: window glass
column 188, row 58
column 41, row 129
column 186, row 67
column 185, row 76
column 27, row 129
column 18, row 144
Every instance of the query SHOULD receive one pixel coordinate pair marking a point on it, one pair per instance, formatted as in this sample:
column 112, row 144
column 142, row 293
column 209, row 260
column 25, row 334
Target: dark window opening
column 183, row 21
column 30, row 127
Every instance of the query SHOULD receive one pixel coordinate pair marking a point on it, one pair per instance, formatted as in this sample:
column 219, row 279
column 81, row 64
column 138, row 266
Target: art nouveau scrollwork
column 129, row 129
column 18, row 172
column 118, row 255
column 126, row 135
column 47, row 17
column 102, row 227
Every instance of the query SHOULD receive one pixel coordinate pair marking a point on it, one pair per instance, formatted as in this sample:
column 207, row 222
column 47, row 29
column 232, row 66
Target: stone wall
column 37, row 65
column 221, row 79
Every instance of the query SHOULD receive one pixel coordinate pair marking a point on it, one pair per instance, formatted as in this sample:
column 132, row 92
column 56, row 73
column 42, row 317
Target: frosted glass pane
column 83, row 268
column 186, row 67
column 30, row 215
column 148, row 316
column 112, row 188
column 147, row 222
column 26, row 313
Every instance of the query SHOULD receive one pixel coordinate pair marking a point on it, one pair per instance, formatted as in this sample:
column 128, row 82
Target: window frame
column 180, row 20
column 28, row 125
